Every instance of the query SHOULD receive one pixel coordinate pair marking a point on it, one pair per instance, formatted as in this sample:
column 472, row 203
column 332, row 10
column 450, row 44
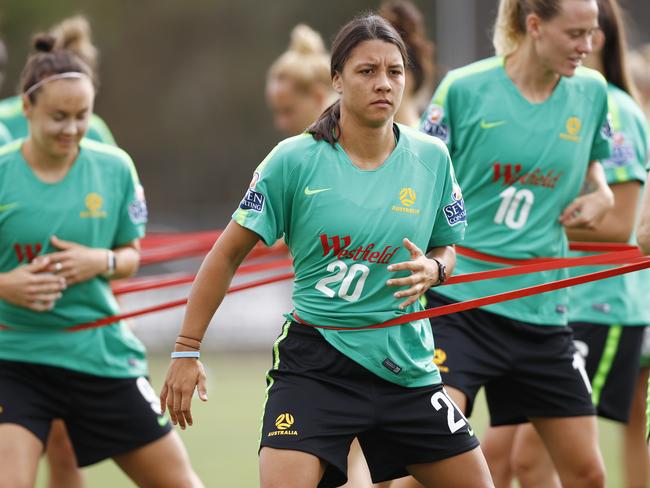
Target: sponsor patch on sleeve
column 433, row 123
column 606, row 130
column 455, row 212
column 253, row 200
column 138, row 207
column 622, row 152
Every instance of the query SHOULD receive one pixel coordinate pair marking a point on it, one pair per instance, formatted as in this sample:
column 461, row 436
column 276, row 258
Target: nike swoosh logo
column 492, row 125
column 7, row 206
column 313, row 192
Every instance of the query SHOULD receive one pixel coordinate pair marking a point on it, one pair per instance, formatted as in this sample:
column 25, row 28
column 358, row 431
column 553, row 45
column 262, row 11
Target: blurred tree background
column 182, row 82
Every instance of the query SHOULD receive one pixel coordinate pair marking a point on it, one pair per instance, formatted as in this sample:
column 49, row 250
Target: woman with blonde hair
column 298, row 86
column 525, row 130
column 607, row 318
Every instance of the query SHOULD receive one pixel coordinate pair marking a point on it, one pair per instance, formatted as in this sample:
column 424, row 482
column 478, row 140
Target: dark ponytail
column 365, row 28
column 327, row 125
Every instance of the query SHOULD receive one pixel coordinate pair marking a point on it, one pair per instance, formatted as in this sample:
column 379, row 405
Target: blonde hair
column 74, row 34
column 306, row 62
column 510, row 25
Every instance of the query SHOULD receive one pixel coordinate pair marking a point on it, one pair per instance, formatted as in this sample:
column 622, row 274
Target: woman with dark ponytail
column 71, row 34
column 359, row 200
column 73, row 212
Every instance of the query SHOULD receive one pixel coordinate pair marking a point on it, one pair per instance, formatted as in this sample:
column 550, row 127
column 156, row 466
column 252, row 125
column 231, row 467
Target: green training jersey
column 11, row 115
column 344, row 226
column 99, row 203
column 620, row 300
column 519, row 164
column 5, row 135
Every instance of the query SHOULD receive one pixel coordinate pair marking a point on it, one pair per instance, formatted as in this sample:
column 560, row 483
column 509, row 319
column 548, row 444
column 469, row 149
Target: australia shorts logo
column 284, row 422
column 253, row 200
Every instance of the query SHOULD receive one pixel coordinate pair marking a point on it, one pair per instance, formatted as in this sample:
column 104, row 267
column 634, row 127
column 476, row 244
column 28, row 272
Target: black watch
column 442, row 272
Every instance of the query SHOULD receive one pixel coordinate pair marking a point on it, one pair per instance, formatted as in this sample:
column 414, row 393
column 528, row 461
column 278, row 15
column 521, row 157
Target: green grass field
column 223, row 442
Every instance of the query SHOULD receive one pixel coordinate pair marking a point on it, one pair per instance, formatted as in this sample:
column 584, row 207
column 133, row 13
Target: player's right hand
column 32, row 286
column 184, row 375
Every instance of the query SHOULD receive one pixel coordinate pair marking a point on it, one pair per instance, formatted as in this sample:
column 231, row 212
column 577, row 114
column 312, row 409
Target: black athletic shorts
column 527, row 370
column 104, row 417
column 319, row 400
column 612, row 354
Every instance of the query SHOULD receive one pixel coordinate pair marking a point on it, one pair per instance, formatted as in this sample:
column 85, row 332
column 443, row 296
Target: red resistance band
column 492, row 299
column 630, row 255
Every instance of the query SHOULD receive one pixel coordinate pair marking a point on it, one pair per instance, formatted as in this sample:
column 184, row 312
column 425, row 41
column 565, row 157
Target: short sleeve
column 5, row 135
column 451, row 218
column 629, row 157
column 133, row 212
column 262, row 208
column 601, row 145
column 436, row 120
column 99, row 131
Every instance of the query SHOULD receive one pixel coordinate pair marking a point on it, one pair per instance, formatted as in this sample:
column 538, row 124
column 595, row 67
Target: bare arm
column 643, row 231
column 76, row 263
column 618, row 223
column 207, row 293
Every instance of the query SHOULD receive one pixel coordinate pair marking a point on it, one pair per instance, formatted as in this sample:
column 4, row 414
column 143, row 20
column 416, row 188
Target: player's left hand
column 587, row 210
column 76, row 263
column 424, row 274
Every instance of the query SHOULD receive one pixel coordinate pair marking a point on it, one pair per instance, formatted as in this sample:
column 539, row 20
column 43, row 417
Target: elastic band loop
column 186, row 354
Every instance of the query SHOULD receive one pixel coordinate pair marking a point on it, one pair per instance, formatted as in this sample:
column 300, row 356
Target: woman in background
column 72, row 34
column 607, row 317
column 298, row 86
column 525, row 130
column 420, row 72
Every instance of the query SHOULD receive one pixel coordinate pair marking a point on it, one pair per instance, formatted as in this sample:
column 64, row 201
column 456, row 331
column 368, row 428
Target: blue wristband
column 186, row 354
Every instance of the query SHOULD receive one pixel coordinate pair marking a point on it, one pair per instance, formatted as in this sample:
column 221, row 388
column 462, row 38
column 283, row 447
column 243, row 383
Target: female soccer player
column 298, row 86
column 408, row 21
column 525, row 130
column 356, row 199
column 607, row 317
column 72, row 34
column 72, row 213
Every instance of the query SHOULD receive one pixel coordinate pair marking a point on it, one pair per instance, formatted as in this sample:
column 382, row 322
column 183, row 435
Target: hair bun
column 44, row 43
column 306, row 41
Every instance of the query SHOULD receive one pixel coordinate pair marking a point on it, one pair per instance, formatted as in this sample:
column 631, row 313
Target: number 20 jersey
column 344, row 226
column 519, row 164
